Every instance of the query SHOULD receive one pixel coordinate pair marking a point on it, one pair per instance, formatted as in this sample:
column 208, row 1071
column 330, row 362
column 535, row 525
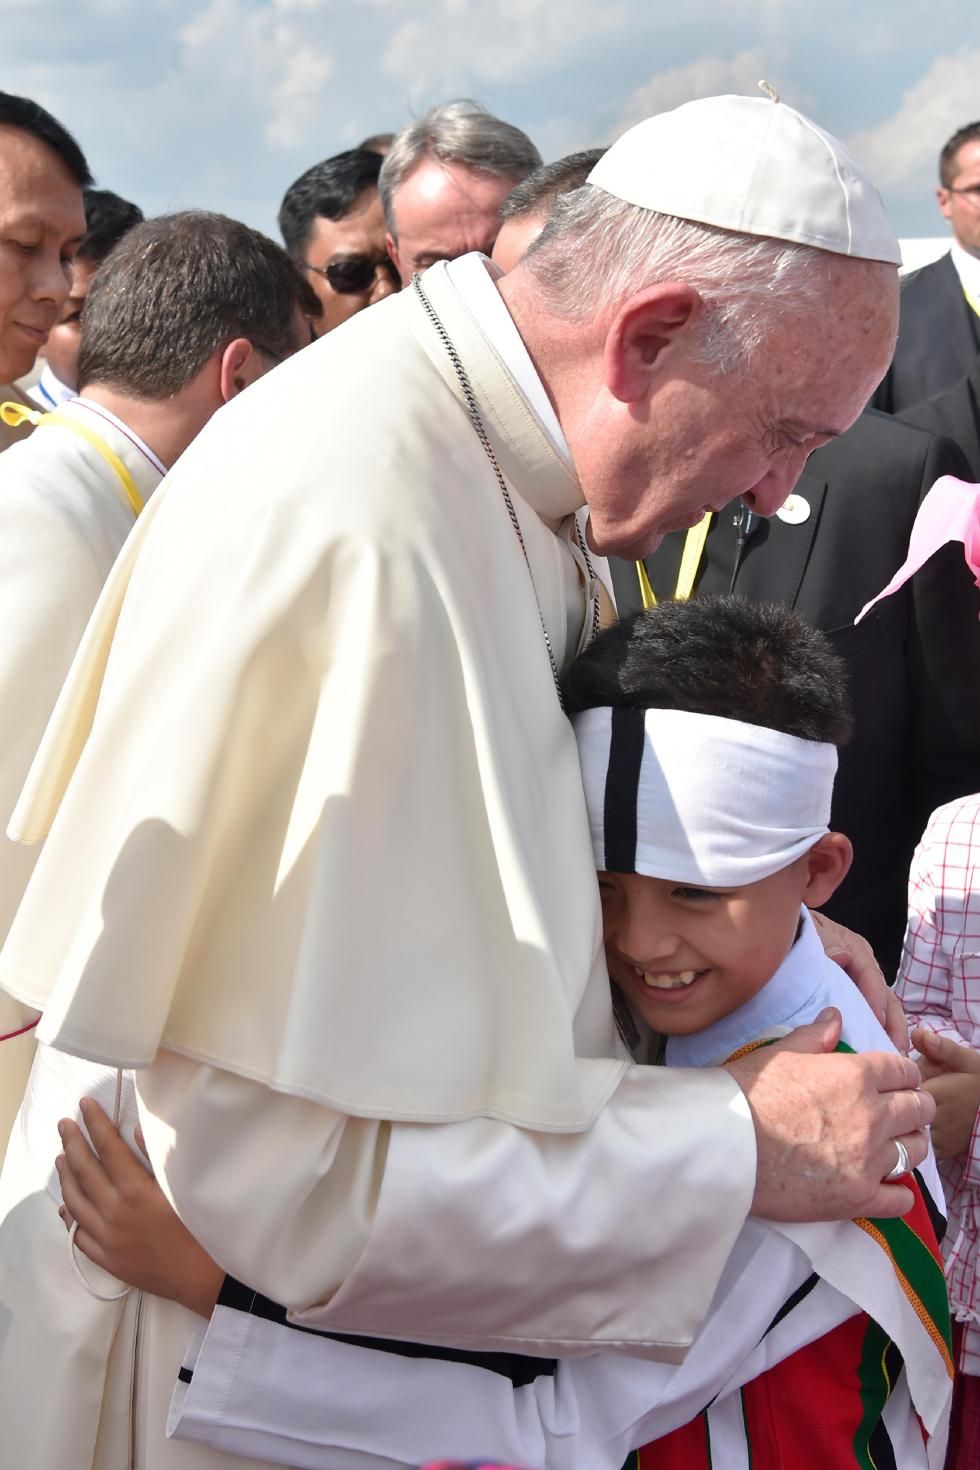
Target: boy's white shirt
column 260, row 1388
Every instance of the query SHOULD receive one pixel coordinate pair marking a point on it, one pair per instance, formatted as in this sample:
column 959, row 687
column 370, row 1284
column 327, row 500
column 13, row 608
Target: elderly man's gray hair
column 596, row 251
column 456, row 132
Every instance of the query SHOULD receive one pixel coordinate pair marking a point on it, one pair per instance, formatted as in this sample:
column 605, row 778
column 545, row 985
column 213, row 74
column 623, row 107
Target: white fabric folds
column 698, row 799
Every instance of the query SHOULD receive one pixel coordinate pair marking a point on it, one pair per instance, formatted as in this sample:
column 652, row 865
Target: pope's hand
column 125, row 1222
column 826, row 1126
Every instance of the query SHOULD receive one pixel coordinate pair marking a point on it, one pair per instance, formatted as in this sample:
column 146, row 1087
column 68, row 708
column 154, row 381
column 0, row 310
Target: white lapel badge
column 794, row 510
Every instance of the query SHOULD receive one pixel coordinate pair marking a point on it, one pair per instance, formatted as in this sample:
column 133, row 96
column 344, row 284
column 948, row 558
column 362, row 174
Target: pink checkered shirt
column 940, row 986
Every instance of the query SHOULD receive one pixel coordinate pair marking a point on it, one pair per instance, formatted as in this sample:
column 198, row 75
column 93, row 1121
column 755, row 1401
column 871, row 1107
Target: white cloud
column 900, row 153
column 445, row 45
column 263, row 58
column 708, row 76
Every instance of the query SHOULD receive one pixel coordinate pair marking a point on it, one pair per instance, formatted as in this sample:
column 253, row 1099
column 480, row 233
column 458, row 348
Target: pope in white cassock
column 316, row 860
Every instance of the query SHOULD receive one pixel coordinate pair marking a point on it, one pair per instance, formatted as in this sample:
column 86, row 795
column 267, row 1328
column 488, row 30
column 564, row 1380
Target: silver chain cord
column 484, row 439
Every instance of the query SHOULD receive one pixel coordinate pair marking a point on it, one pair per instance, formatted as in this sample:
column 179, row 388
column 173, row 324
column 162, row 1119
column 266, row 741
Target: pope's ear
column 644, row 328
column 828, row 863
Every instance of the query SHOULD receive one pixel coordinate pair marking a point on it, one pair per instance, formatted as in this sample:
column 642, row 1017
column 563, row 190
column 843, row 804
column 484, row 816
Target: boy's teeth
column 667, row 982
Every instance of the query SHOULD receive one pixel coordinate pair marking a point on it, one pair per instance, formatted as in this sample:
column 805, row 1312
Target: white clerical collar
column 788, row 995
column 49, row 391
column 108, row 417
column 474, row 277
column 967, row 268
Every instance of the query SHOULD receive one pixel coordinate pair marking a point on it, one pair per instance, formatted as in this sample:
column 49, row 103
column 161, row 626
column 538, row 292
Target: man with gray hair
column 444, row 180
column 379, row 1074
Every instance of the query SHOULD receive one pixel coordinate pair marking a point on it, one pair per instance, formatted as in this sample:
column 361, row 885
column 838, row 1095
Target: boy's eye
column 695, row 895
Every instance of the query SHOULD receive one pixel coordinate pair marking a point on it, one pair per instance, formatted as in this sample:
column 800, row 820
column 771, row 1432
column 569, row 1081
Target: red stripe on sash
column 810, row 1412
column 686, row 1449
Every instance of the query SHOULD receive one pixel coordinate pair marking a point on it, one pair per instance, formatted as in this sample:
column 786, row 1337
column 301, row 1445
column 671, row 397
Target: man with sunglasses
column 939, row 330
column 333, row 227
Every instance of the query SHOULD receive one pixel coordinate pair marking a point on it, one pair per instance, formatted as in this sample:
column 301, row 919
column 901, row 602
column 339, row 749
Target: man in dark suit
column 913, row 664
column 956, row 415
column 939, row 329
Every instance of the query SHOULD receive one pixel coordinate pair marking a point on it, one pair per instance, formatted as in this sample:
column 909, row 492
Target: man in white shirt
column 42, row 173
column 189, row 312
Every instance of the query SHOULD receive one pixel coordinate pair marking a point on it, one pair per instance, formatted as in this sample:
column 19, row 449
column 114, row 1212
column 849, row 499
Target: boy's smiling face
column 686, row 956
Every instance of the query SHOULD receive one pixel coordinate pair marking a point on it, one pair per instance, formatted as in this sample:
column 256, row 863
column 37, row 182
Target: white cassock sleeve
column 474, row 1234
column 256, row 1387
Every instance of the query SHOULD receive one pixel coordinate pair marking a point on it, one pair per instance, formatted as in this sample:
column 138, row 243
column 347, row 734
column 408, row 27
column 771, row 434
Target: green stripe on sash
column 874, row 1387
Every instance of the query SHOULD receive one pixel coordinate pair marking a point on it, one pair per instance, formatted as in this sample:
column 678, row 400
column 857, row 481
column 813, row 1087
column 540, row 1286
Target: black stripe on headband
column 626, row 742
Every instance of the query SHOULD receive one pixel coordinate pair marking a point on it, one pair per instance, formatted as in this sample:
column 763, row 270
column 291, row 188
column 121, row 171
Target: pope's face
column 961, row 203
column 698, row 440
column 443, row 210
column 41, row 225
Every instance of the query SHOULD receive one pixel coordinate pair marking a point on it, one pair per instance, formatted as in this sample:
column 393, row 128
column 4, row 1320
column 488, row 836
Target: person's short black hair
column 536, row 194
column 177, row 289
column 756, row 662
column 107, row 218
column 947, row 158
column 328, row 190
column 31, row 117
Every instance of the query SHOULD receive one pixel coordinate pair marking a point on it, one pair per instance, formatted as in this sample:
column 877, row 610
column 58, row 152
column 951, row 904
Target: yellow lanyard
column 690, row 561
column 15, row 414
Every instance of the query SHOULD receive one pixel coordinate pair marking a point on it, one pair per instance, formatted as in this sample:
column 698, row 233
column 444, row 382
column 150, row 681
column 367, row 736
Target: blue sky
column 222, row 103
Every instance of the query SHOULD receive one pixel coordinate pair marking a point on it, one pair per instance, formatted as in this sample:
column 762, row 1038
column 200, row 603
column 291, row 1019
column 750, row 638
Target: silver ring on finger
column 901, row 1165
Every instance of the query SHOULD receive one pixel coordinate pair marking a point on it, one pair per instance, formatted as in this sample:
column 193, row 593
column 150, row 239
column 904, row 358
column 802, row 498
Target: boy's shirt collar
column 783, row 1002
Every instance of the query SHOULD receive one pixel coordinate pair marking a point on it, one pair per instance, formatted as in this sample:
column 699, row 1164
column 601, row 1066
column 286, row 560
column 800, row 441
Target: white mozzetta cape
column 330, row 810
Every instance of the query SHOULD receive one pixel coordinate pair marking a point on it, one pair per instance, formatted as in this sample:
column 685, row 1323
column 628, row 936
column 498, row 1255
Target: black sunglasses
column 356, row 273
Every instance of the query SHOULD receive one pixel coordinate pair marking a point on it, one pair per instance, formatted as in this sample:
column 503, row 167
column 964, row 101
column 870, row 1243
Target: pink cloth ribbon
column 950, row 512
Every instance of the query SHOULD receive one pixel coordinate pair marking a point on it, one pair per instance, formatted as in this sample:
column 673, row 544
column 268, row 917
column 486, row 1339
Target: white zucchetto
column 753, row 166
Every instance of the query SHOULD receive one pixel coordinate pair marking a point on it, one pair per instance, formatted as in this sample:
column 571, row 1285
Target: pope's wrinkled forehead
column 753, row 166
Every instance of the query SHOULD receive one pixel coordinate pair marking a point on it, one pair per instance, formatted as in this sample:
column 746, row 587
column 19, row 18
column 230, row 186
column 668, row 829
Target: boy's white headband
column 700, row 800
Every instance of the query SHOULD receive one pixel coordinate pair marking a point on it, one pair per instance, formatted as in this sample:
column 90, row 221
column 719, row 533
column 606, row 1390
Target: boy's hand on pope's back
column 126, row 1224
column 826, row 1125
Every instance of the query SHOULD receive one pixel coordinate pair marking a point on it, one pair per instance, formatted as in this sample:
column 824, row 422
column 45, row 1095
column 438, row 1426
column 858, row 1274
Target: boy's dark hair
column 177, row 289
column 751, row 661
column 536, row 194
column 947, row 158
column 31, row 117
column 107, row 219
column 328, row 191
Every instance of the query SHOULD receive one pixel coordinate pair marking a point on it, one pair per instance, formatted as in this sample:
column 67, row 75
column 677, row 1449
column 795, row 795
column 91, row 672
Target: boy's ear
column 828, row 863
